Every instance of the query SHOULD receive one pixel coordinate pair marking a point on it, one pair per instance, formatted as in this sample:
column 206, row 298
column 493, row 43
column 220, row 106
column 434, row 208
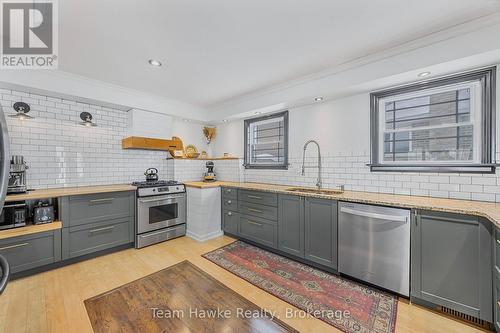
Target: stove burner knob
column 154, row 190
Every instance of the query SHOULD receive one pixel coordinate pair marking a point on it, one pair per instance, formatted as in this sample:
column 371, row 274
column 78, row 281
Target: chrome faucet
column 319, row 183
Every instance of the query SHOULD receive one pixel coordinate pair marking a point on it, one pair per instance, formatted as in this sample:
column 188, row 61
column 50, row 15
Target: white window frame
column 482, row 85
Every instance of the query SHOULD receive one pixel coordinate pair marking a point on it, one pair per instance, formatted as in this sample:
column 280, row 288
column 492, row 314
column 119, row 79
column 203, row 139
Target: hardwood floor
column 53, row 301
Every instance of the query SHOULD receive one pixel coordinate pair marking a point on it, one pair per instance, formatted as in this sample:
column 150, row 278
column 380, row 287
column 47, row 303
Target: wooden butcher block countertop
column 67, row 191
column 488, row 210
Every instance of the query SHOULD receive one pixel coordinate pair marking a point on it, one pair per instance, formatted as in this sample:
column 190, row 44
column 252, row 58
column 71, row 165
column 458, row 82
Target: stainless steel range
column 161, row 211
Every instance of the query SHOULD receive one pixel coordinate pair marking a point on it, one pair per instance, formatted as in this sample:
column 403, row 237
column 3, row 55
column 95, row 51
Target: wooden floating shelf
column 137, row 142
column 203, row 158
column 30, row 229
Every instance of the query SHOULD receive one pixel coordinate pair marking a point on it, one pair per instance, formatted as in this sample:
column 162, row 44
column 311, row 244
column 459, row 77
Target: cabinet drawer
column 230, row 222
column 26, row 252
column 230, row 193
column 265, row 212
column 259, row 230
column 85, row 239
column 264, row 198
column 86, row 209
column 230, row 204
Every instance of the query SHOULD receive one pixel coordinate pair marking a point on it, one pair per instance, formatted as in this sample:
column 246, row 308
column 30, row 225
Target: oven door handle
column 160, row 199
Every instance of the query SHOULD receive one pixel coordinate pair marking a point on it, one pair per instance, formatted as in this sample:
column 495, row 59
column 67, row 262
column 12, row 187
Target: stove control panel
column 160, row 190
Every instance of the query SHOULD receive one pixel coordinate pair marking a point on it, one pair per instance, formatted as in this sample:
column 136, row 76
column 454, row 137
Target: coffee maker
column 17, row 175
column 209, row 176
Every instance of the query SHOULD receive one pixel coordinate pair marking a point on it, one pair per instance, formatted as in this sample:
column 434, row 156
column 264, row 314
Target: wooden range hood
column 137, row 142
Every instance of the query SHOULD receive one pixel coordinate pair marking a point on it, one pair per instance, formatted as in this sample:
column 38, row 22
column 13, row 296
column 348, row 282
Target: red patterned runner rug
column 342, row 303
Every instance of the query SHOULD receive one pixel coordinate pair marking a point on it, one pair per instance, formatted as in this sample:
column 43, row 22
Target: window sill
column 267, row 167
column 467, row 168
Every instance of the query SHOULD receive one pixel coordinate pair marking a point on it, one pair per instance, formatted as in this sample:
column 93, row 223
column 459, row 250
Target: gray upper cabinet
column 321, row 231
column 31, row 251
column 451, row 258
column 291, row 224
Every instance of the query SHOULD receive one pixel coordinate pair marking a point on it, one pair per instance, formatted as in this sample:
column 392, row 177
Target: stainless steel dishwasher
column 374, row 245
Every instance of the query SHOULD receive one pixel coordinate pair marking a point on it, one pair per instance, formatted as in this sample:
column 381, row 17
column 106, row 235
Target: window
column 266, row 142
column 445, row 125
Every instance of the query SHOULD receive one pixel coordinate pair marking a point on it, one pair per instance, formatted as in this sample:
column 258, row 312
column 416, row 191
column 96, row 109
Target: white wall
column 342, row 125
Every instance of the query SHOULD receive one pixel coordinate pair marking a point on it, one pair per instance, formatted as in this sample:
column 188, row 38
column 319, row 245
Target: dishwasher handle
column 374, row 215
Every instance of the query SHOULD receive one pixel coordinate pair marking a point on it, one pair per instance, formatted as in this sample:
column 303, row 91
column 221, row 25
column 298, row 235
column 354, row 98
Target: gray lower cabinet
column 86, row 239
column 31, row 251
column 496, row 280
column 230, row 222
column 92, row 208
column 259, row 230
column 321, row 231
column 451, row 259
column 96, row 222
column 291, row 224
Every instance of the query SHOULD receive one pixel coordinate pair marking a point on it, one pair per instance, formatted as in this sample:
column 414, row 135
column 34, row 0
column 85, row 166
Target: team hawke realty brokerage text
column 29, row 33
column 241, row 313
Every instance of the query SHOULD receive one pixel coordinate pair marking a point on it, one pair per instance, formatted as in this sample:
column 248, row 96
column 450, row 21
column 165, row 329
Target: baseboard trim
column 205, row 237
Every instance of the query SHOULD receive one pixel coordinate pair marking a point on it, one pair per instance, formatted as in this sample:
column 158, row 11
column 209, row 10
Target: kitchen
column 349, row 189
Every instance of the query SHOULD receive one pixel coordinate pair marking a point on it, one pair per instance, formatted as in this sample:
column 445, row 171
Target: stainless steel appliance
column 161, row 211
column 17, row 175
column 4, row 158
column 43, row 213
column 14, row 214
column 374, row 245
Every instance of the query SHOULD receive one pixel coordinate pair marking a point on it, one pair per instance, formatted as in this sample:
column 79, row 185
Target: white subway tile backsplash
column 60, row 152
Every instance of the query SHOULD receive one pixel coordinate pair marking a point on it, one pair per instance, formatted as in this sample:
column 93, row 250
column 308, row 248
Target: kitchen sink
column 315, row 191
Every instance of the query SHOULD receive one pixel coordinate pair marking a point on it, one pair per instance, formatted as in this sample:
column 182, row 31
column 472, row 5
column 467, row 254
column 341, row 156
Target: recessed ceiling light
column 318, row 99
column 153, row 62
column 423, row 74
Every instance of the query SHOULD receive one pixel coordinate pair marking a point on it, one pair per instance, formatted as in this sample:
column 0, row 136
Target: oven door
column 159, row 212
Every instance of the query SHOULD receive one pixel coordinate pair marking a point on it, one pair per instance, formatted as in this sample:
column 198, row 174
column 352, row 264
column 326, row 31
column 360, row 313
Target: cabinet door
column 291, row 224
column 451, row 262
column 496, row 279
column 321, row 231
column 230, row 222
column 31, row 251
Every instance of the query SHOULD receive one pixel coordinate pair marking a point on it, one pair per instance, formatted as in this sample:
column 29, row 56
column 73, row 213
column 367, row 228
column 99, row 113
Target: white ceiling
column 218, row 50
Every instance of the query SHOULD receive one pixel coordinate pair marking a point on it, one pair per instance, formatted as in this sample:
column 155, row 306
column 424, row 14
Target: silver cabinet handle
column 100, row 201
column 13, row 246
column 229, row 202
column 228, row 191
column 254, row 197
column 373, row 215
column 498, row 241
column 102, row 229
column 255, row 210
column 498, row 303
column 229, row 213
column 255, row 223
